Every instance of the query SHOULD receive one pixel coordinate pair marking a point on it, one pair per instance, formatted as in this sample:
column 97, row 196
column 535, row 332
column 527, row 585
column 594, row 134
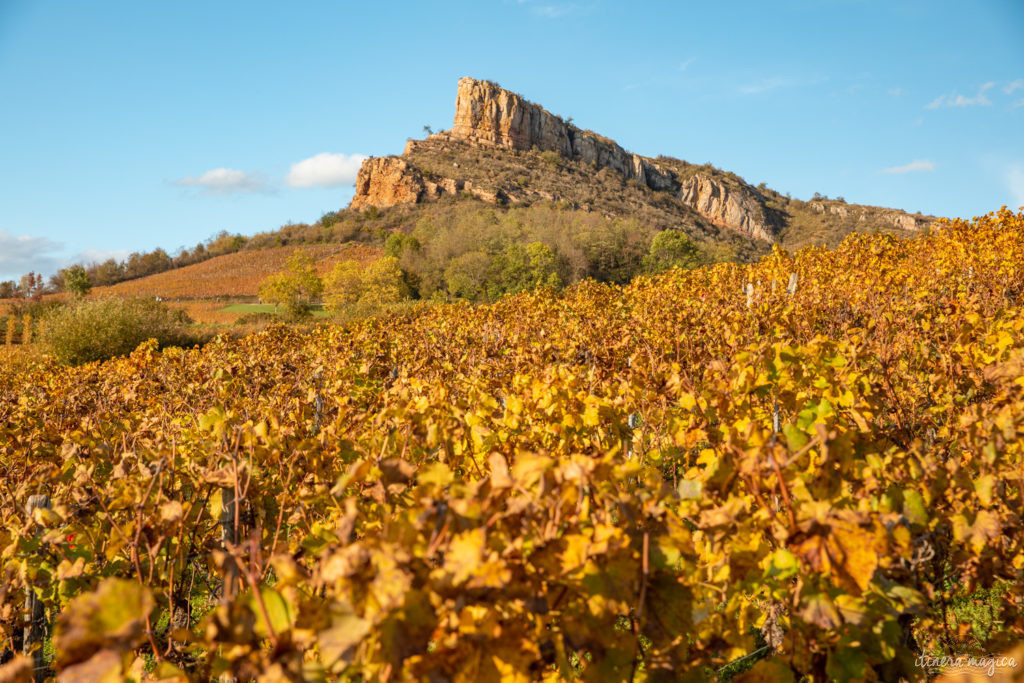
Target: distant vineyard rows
column 234, row 275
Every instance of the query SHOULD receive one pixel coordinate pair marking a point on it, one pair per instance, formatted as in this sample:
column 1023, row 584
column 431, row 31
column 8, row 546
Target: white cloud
column 90, row 256
column 1015, row 183
column 683, row 66
column 325, row 170
column 226, row 181
column 1015, row 86
column 895, row 92
column 916, row 165
column 1018, row 103
column 20, row 254
column 957, row 100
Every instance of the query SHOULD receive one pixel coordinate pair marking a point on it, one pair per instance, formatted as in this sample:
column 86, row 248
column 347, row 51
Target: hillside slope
column 508, row 151
column 234, row 275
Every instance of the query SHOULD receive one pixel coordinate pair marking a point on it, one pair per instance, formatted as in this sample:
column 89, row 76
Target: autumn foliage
column 611, row 483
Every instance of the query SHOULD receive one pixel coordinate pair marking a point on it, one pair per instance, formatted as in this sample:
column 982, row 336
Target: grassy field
column 242, row 309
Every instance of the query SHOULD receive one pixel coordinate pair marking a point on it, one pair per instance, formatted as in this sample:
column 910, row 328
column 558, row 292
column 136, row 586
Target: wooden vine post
column 35, row 612
column 229, row 538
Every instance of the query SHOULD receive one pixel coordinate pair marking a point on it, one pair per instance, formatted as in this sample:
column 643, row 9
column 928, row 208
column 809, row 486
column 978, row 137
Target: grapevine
column 653, row 481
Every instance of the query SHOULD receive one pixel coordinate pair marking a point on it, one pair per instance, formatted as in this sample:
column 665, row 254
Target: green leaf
column 783, row 565
column 278, row 612
column 795, row 437
column 111, row 617
column 914, row 508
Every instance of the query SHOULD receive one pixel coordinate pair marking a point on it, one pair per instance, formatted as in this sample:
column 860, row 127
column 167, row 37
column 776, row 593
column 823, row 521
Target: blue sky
column 131, row 125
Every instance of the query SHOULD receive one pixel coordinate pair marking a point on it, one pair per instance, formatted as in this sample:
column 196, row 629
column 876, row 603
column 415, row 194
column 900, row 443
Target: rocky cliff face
column 487, row 114
column 734, row 209
column 387, row 181
column 470, row 159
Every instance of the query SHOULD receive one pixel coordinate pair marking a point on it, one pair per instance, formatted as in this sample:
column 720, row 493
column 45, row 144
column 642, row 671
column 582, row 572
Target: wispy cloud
column 912, row 167
column 956, row 100
column 325, row 170
column 1010, row 88
column 21, row 253
column 1018, row 103
column 640, row 84
column 222, row 181
column 683, row 66
column 1015, row 183
column 554, row 10
column 895, row 92
column 774, row 83
column 764, row 85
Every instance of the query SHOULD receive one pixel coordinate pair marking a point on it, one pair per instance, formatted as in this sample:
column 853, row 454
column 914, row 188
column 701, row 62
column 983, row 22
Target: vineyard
column 233, row 275
column 808, row 467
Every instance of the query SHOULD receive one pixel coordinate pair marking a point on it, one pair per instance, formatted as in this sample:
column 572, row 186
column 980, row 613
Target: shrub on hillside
column 98, row 329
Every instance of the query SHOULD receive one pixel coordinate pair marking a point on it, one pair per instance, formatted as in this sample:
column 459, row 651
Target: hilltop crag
column 505, row 149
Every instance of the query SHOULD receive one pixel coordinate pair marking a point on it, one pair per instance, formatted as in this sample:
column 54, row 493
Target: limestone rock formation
column 907, row 221
column 387, row 181
column 490, row 153
column 487, row 114
column 897, row 219
column 723, row 206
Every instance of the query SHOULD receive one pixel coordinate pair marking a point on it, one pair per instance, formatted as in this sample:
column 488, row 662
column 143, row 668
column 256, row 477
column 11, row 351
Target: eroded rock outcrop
column 387, row 181
column 723, row 206
column 487, row 114
column 897, row 219
column 906, row 221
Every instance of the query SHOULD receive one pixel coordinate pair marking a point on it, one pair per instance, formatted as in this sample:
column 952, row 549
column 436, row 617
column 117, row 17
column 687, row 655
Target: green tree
column 357, row 289
column 543, row 266
column 279, row 289
column 466, row 275
column 382, row 284
column 343, row 286
column 398, row 243
column 296, row 288
column 519, row 268
column 671, row 249
column 76, row 281
column 302, row 267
